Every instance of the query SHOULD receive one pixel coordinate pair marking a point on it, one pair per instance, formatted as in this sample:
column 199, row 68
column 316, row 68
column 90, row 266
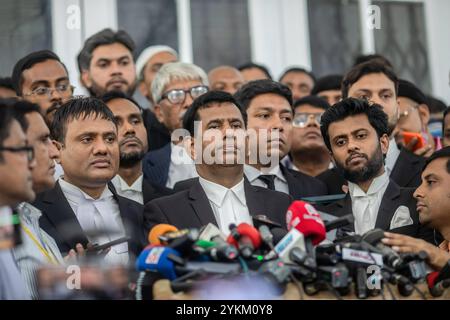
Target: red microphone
column 305, row 218
column 244, row 237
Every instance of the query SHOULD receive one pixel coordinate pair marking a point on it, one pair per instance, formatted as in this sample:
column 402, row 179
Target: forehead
column 270, row 100
column 296, row 76
column 161, row 57
column 349, row 125
column 182, row 84
column 91, row 123
column 220, row 111
column 404, row 102
column 111, row 51
column 16, row 134
column 373, row 82
column 48, row 70
column 307, row 108
column 122, row 107
column 225, row 73
column 438, row 167
column 329, row 92
column 36, row 124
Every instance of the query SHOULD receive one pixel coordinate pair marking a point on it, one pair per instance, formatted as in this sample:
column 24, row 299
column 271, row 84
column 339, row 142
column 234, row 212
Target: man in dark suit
column 174, row 88
column 129, row 181
column 356, row 134
column 81, row 208
column 268, row 105
column 221, row 195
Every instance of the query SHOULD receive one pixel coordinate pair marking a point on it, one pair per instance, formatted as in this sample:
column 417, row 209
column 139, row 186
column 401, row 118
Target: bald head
column 225, row 78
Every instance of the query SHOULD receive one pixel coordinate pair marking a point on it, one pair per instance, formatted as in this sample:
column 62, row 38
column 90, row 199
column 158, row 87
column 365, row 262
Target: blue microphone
column 158, row 259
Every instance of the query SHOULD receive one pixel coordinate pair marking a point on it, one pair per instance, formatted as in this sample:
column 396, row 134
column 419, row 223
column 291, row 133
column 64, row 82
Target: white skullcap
column 148, row 53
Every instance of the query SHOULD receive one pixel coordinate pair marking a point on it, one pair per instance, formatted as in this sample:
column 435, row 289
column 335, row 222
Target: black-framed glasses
column 177, row 96
column 47, row 91
column 301, row 119
column 25, row 149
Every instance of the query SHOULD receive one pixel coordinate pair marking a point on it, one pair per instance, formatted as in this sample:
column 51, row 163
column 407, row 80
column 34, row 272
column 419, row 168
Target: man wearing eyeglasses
column 308, row 151
column 16, row 163
column 41, row 78
column 174, row 88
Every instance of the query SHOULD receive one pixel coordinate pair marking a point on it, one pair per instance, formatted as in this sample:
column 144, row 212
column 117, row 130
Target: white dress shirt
column 37, row 249
column 280, row 181
column 98, row 215
column 133, row 192
column 228, row 205
column 181, row 167
column 391, row 156
column 365, row 206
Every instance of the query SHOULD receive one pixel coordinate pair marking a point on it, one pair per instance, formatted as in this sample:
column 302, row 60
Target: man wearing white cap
column 147, row 65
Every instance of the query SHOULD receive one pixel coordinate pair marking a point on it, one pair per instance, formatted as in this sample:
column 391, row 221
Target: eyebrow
column 430, row 175
column 221, row 120
column 351, row 133
column 46, row 82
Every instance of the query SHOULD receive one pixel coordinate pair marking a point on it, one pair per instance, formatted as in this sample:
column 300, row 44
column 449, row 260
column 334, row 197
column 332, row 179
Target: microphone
column 156, row 259
column 438, row 282
column 245, row 238
column 373, row 237
column 221, row 250
column 159, row 230
column 261, row 219
column 339, row 222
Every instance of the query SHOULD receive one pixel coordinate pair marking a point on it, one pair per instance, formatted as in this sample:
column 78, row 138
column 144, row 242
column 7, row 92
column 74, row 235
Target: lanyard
column 50, row 256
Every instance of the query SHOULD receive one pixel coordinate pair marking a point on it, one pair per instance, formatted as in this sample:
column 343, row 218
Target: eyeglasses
column 301, row 119
column 29, row 151
column 406, row 113
column 177, row 96
column 46, row 91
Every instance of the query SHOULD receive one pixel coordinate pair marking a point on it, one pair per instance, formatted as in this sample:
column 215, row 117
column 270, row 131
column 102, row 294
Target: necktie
column 269, row 180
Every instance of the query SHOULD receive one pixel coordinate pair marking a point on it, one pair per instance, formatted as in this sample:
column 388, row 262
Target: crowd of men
column 216, row 147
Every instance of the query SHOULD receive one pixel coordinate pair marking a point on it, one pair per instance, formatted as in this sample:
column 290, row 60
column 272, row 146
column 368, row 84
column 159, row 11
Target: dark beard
column 366, row 173
column 129, row 160
column 96, row 91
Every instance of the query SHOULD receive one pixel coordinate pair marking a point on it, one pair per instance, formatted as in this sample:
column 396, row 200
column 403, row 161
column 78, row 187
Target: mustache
column 353, row 154
column 133, row 139
column 55, row 106
column 117, row 79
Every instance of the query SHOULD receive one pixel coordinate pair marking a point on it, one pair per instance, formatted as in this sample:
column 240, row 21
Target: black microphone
column 339, row 222
column 373, row 237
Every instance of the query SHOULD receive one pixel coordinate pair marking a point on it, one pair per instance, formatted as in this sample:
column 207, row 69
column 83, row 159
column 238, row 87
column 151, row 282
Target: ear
column 424, row 113
column 158, row 113
column 85, row 79
column 189, row 145
column 58, row 146
column 384, row 143
column 144, row 91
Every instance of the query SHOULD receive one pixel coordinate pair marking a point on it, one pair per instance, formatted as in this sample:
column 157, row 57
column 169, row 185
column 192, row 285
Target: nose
column 312, row 122
column 116, row 69
column 100, row 147
column 128, row 129
column 419, row 192
column 53, row 151
column 187, row 101
column 352, row 145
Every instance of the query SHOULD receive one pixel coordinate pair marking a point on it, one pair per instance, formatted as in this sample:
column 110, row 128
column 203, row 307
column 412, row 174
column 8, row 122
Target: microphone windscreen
column 246, row 230
column 159, row 230
column 156, row 260
column 305, row 218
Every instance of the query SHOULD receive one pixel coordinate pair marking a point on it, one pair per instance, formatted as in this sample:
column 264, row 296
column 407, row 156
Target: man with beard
column 356, row 133
column 106, row 63
column 41, row 78
column 130, row 182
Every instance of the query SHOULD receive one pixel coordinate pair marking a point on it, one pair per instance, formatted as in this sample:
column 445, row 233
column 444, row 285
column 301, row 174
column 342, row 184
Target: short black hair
column 442, row 153
column 252, row 89
column 6, row 82
column 28, row 62
column 315, row 101
column 369, row 57
column 115, row 94
column 299, row 70
column 330, row 82
column 205, row 101
column 251, row 65
column 363, row 69
column 101, row 38
column 351, row 107
column 21, row 108
column 78, row 108
column 435, row 105
column 6, row 119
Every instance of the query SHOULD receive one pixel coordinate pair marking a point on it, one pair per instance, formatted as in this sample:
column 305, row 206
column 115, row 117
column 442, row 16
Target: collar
column 252, row 173
column 77, row 195
column 376, row 186
column 216, row 192
column 179, row 155
column 28, row 211
column 392, row 155
column 123, row 185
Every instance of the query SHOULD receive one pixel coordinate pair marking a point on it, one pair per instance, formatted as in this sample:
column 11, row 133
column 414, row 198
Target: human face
column 151, row 68
column 223, row 135
column 225, row 79
column 252, row 74
column 45, row 152
column 111, row 68
column 132, row 134
column 433, row 195
column 356, row 148
column 446, row 137
column 330, row 96
column 308, row 137
column 378, row 88
column 16, row 183
column 47, row 74
column 300, row 84
column 272, row 114
column 170, row 114
column 89, row 154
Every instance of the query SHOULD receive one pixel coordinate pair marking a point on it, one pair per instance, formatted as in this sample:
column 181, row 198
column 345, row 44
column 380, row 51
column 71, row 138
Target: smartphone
column 99, row 247
column 407, row 137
